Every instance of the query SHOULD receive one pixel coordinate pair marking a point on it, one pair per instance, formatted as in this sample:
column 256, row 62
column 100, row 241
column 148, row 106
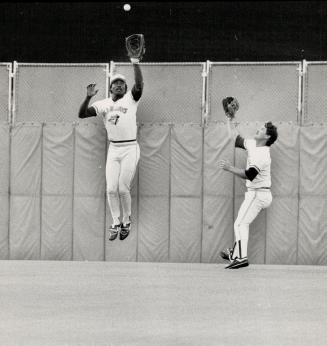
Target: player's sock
column 244, row 247
column 113, row 201
column 126, row 219
column 236, row 249
column 244, row 238
column 126, row 201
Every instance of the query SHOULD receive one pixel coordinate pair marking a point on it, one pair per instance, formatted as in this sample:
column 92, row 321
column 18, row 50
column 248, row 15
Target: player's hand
column 224, row 164
column 230, row 106
column 90, row 90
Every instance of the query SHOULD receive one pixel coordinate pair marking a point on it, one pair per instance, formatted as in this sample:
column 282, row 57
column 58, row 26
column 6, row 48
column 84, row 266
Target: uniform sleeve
column 239, row 142
column 249, row 144
column 98, row 106
column 251, row 173
column 131, row 97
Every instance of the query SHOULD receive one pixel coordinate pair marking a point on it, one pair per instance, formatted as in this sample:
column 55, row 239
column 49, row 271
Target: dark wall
column 174, row 31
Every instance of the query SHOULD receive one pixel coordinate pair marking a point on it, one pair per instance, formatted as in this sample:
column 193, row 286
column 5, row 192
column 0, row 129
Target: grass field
column 124, row 303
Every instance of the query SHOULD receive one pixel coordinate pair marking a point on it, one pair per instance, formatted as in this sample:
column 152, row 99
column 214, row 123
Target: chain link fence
column 265, row 91
column 314, row 93
column 5, row 92
column 173, row 93
column 54, row 92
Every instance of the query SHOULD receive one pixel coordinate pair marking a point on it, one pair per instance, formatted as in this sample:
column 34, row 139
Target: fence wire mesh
column 172, row 92
column 54, row 93
column 265, row 91
column 5, row 92
column 314, row 95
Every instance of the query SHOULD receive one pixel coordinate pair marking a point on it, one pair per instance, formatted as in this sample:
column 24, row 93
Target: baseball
column 127, row 7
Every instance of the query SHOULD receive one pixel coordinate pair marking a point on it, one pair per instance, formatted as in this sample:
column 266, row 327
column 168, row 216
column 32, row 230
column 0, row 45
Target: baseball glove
column 231, row 106
column 135, row 46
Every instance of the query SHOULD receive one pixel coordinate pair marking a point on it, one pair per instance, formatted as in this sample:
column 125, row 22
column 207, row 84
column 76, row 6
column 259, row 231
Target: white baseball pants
column 121, row 166
column 254, row 202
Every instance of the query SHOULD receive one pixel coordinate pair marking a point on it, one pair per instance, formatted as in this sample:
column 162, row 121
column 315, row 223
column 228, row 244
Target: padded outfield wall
column 52, row 169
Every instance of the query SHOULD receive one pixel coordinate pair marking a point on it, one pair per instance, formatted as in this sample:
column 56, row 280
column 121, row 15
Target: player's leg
column 253, row 203
column 253, row 206
column 128, row 168
column 231, row 253
column 112, row 178
column 241, row 228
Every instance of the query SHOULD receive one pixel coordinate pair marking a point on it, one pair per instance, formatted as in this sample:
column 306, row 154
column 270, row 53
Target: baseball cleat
column 238, row 263
column 227, row 254
column 113, row 232
column 124, row 230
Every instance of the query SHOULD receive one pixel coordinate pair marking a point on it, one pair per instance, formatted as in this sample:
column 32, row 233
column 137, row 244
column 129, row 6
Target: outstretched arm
column 138, row 77
column 234, row 134
column 135, row 46
column 231, row 106
column 85, row 111
column 231, row 128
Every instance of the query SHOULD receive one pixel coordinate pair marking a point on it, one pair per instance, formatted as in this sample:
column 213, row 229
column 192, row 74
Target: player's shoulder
column 250, row 143
column 101, row 105
column 129, row 97
column 103, row 101
column 129, row 94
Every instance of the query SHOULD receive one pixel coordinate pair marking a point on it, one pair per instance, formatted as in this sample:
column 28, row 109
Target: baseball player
column 119, row 115
column 258, row 182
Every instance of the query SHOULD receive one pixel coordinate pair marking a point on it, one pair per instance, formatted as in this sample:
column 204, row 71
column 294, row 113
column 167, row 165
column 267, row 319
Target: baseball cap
column 117, row 77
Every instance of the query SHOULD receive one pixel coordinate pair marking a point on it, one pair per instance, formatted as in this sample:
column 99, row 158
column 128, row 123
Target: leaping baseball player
column 118, row 112
column 258, row 181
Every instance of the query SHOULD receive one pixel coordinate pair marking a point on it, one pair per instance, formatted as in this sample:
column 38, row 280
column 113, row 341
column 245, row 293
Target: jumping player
column 258, row 183
column 119, row 115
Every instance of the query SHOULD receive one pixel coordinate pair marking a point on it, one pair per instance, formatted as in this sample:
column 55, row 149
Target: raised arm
column 85, row 111
column 231, row 129
column 231, row 106
column 135, row 46
column 234, row 134
column 138, row 77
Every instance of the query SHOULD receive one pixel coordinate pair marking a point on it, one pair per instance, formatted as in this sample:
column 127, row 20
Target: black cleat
column 238, row 263
column 227, row 254
column 124, row 230
column 113, row 232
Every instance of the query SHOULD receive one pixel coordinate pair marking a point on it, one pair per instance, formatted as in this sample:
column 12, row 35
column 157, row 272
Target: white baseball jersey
column 119, row 117
column 259, row 158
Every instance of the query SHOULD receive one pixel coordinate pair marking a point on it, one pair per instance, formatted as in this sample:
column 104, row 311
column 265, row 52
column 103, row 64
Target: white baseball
column 127, row 7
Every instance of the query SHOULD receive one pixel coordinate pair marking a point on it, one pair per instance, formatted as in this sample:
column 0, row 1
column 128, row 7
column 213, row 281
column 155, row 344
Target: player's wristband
column 135, row 60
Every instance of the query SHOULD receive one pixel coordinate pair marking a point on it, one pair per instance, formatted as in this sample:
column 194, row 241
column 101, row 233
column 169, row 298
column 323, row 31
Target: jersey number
column 114, row 119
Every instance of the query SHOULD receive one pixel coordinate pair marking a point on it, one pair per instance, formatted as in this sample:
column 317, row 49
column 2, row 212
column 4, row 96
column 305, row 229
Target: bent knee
column 112, row 190
column 240, row 224
column 124, row 190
